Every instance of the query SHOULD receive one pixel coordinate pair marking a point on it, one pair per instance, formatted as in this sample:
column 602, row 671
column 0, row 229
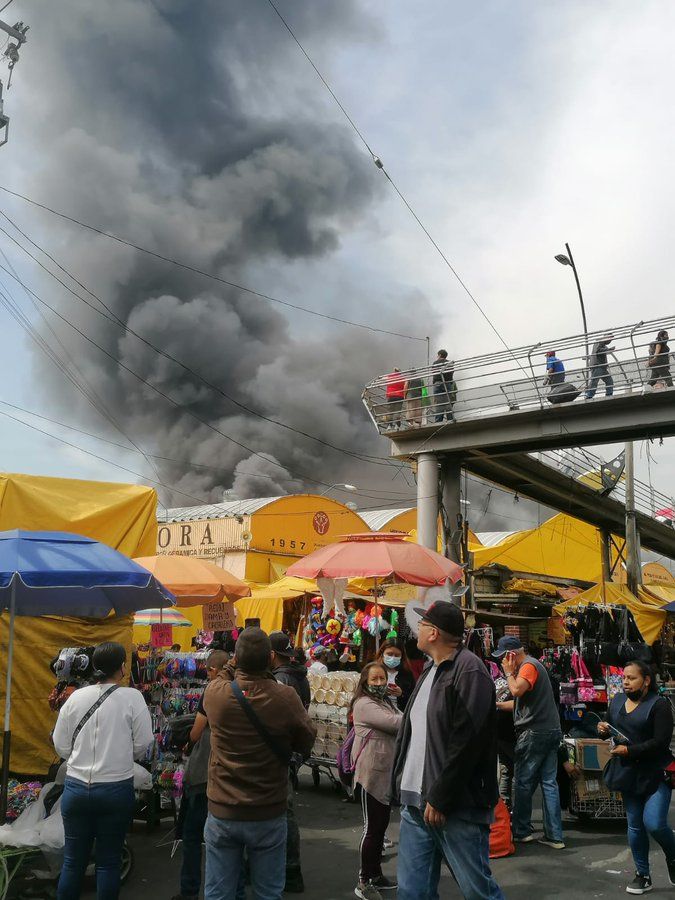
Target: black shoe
column 641, row 884
column 295, row 883
column 671, row 870
column 385, row 884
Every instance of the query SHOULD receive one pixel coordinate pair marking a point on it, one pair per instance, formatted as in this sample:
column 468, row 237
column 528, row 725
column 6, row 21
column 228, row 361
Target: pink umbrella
column 381, row 556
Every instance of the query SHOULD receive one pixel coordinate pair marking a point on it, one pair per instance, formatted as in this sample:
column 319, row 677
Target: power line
column 161, row 393
column 115, row 319
column 9, row 3
column 65, row 365
column 211, row 275
column 380, row 165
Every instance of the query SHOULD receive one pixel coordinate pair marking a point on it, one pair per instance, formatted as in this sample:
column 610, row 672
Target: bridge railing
column 612, row 362
column 582, row 465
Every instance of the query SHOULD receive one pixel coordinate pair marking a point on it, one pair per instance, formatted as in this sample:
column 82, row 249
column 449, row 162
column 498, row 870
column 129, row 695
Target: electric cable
column 111, row 316
column 380, row 165
column 211, row 275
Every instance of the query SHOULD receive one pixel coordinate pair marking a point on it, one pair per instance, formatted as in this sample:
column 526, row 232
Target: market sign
column 206, row 538
column 218, row 616
column 161, row 635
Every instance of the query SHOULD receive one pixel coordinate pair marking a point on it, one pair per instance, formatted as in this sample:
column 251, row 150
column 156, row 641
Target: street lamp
column 347, row 487
column 569, row 261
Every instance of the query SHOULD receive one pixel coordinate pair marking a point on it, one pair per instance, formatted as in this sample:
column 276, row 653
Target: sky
column 207, row 137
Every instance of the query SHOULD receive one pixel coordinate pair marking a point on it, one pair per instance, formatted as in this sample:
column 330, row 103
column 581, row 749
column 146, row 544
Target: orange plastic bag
column 501, row 840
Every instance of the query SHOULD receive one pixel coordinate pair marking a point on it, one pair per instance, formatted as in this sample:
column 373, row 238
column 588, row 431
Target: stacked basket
column 331, row 696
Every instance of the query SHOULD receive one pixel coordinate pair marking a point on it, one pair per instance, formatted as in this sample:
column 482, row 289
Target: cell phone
column 617, row 736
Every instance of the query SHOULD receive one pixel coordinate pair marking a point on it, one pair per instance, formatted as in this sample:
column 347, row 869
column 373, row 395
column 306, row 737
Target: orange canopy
column 194, row 581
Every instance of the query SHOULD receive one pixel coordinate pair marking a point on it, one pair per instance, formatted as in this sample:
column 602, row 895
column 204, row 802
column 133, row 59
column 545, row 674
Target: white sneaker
column 528, row 839
column 547, row 842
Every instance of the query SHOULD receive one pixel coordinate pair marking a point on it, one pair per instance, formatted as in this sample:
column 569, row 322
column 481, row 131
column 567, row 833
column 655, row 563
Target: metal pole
column 427, row 500
column 581, row 298
column 606, row 560
column 377, row 623
column 7, row 734
column 633, row 568
column 428, row 340
column 451, row 474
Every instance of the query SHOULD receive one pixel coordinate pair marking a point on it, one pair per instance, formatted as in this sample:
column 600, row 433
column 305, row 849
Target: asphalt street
column 596, row 863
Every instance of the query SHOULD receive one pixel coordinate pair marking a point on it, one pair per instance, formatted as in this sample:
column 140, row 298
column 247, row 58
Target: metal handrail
column 507, row 381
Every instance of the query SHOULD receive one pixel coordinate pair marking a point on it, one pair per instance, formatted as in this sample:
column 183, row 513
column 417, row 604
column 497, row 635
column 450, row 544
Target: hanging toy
column 357, row 638
column 333, row 627
column 393, row 632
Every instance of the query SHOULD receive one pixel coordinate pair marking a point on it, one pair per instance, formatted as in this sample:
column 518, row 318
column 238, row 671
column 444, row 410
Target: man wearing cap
column 555, row 369
column 538, row 737
column 287, row 671
column 445, row 770
column 599, row 368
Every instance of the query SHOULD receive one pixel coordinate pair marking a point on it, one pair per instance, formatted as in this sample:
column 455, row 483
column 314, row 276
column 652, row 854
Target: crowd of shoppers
column 427, row 744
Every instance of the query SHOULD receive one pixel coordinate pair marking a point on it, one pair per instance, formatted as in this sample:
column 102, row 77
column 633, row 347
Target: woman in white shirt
column 101, row 729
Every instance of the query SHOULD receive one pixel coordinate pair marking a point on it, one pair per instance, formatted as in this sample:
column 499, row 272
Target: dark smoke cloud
column 197, row 129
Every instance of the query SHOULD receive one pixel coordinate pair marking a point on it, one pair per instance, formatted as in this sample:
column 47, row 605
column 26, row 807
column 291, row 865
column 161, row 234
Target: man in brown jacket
column 256, row 723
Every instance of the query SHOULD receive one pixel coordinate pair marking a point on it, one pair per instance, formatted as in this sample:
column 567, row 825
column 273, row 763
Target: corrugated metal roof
column 377, row 519
column 492, row 538
column 216, row 510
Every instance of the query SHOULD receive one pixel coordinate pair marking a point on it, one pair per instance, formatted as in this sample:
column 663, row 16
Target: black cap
column 507, row 644
column 281, row 643
column 445, row 616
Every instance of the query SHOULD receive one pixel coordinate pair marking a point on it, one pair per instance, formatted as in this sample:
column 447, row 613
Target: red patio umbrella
column 381, row 556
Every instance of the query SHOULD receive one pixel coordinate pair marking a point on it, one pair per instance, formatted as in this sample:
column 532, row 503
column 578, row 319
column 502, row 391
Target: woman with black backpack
column 376, row 722
column 101, row 729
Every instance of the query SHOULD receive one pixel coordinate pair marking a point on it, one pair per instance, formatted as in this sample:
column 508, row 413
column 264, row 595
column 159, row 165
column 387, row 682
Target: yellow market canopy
column 563, row 547
column 648, row 617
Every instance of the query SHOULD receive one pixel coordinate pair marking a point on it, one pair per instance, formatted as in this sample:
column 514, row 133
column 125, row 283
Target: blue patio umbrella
column 53, row 573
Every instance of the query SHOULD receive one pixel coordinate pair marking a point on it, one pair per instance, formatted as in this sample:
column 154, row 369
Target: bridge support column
column 451, row 475
column 633, row 566
column 427, row 500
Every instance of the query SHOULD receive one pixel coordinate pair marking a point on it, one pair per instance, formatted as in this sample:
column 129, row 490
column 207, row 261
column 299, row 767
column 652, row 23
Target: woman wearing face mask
column 400, row 679
column 376, row 721
column 646, row 721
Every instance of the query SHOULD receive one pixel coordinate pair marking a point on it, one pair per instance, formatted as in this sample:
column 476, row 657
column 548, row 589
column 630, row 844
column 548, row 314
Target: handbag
column 284, row 756
column 620, row 775
column 583, row 680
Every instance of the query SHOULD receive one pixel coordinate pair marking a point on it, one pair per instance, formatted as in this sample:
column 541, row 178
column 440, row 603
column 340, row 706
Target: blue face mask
column 391, row 662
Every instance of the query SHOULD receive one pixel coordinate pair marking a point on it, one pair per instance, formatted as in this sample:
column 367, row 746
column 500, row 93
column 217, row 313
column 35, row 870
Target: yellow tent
column 120, row 515
column 648, row 617
column 562, row 547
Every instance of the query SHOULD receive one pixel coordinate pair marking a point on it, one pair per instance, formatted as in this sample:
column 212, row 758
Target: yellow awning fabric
column 120, row 515
column 648, row 617
column 562, row 547
column 659, row 594
column 530, row 586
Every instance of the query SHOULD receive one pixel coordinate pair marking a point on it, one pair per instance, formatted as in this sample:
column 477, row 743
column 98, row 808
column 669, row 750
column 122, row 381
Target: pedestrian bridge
column 505, row 402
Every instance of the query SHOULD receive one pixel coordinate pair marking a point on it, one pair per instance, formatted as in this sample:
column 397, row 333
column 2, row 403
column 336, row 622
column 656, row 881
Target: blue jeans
column 265, row 846
column 598, row 374
column 649, row 815
column 465, row 847
column 195, row 809
column 98, row 812
column 537, row 764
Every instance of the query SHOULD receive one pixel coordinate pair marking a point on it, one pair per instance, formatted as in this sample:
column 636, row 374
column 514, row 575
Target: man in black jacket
column 445, row 770
column 287, row 671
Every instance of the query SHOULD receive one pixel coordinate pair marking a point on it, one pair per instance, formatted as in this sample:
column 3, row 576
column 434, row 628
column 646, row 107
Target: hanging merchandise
column 332, row 591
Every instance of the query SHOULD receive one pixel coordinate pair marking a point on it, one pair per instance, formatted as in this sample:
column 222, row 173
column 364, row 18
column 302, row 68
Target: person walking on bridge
column 555, row 369
column 599, row 368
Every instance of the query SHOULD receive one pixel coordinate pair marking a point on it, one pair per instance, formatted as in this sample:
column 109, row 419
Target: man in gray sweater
column 538, row 737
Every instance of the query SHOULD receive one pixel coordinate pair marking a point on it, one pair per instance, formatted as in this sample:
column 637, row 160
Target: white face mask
column 391, row 661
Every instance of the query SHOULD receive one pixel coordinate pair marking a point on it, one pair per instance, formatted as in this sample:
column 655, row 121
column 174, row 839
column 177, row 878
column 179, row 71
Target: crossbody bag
column 283, row 755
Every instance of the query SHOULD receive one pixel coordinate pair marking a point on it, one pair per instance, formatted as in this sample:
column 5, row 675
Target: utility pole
column 633, row 567
column 18, row 32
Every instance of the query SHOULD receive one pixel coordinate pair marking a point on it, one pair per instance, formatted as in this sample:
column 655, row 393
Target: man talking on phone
column 538, row 736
